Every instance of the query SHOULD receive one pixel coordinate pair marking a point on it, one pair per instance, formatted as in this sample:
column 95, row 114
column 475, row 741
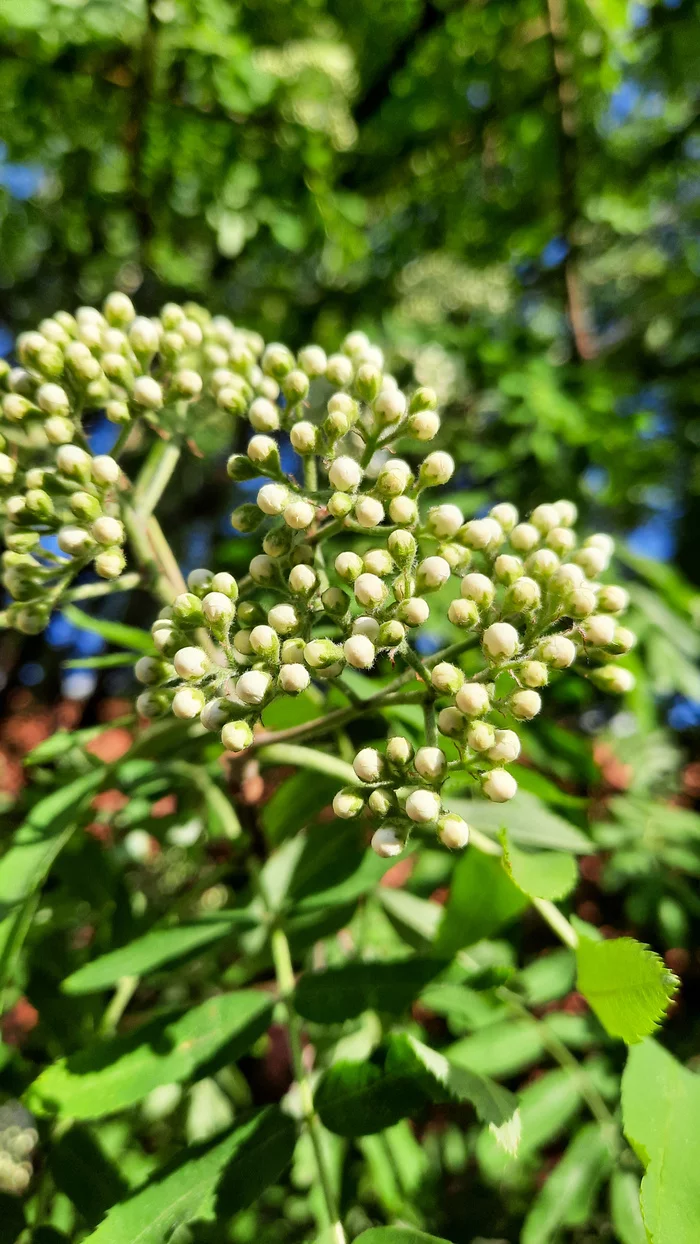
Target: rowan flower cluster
column 353, row 549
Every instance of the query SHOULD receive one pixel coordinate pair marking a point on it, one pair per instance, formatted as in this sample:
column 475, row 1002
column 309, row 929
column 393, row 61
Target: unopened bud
column 236, row 736
column 499, row 786
column 347, row 803
column 369, row 765
column 453, row 831
column 423, row 806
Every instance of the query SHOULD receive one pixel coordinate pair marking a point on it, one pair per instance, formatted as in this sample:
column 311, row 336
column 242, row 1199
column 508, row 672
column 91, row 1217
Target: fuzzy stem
column 88, row 591
column 310, row 473
column 154, row 476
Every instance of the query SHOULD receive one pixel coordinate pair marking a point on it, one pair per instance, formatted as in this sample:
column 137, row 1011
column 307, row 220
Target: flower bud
column 187, row 610
column 39, row 503
column 453, row 832
column 479, row 588
column 292, row 651
column 118, row 309
column 612, row 599
column 264, row 415
column 151, row 670
column 451, row 722
column 524, row 705
column 262, row 569
column 601, row 540
column 299, row 515
column 430, row 763
column 278, row 541
column 277, row 361
column 614, row 679
column 561, row 540
column 557, row 651
column 369, row 765
column 446, row 678
column 264, row 642
column 423, row 806
column 500, row 641
column 191, row 662
column 386, row 842
column 599, row 630
column 524, row 537
column 437, row 468
column 340, row 504
column 523, row 595
column 370, row 591
column 110, row 563
column 399, row 751
column 403, row 510
column 105, row 470
column 393, row 478
column 225, row 582
column 359, row 652
column 200, row 581
column 499, row 786
column 272, row 499
column 582, row 602
column 295, row 385
column 151, row 704
column 414, row 611
column 74, row 462
column 304, row 437
column 369, row 512
column 293, row 678
column 284, row 618
column 108, row 530
column 368, row 381
column 188, row 702
column 391, row 633
column 263, row 451
column 507, row 568
column 567, row 513
column 215, row 713
column 253, row 686
column 335, row 601
column 144, row 336
column 245, row 518
column 481, row 533
column 463, row 613
column 505, row 515
column 147, row 392
column 345, row 474
column 544, row 518
column 432, row 573
column 339, row 369
column 313, row 360
column 52, row 399
column 593, row 561
column 217, row 609
column 481, row 736
column 117, row 412
column 402, row 547
column 302, row 555
column 390, row 406
column 236, row 736
column 424, row 425
column 506, row 748
column 233, row 398
column 302, row 580
column 624, row 640
column 473, row 699
column 533, row 674
column 322, row 654
column 59, row 430
column 567, row 578
column 347, row 803
column 85, row 507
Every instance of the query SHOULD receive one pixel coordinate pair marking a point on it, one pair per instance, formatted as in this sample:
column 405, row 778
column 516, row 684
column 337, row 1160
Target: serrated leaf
column 482, row 900
column 539, row 874
column 626, row 984
column 156, row 948
column 660, row 1111
column 343, row 992
column 568, row 1196
column 546, row 1107
column 529, row 821
column 249, row 1159
column 117, row 1073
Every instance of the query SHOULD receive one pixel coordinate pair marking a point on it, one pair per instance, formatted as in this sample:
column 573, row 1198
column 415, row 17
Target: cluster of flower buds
column 18, row 1140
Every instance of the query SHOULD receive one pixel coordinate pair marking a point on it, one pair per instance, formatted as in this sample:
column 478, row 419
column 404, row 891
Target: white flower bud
column 144, row 335
column 323, row 655
column 613, row 599
column 524, row 595
column 433, row 573
column 359, row 652
column 524, row 537
column 147, row 392
column 561, row 539
column 507, row 568
column 399, row 751
column 592, row 560
column 437, row 468
column 599, row 630
column 302, row 580
column 108, row 530
column 73, row 541
column 292, row 651
column 479, row 588
column 188, row 702
column 8, row 469
column 191, row 662
column 262, row 569
column 481, row 736
column 340, row 504
column 463, row 613
column 59, row 430
column 105, row 470
column 236, row 736
column 386, row 842
column 453, row 832
column 430, row 763
column 394, row 477
column 567, row 512
column 187, row 383
column 293, row 678
column 264, row 415
column 424, row 425
column 451, row 722
column 414, row 611
column 557, row 651
column 253, row 686
column 224, row 582
column 118, row 308
column 52, row 399
column 382, row 802
column 544, row 518
column 481, row 533
column 241, row 642
column 313, row 360
column 272, row 498
column 299, row 515
column 215, row 714
column 345, row 474
column 446, row 678
column 148, row 671
column 499, row 786
column 261, row 448
column 473, row 699
column 567, row 577
column 534, row 674
column 524, row 705
column 624, row 640
column 445, row 521
column 284, row 618
column 506, row 749
column 366, row 626
column 423, row 806
column 264, row 641
column 369, row 512
column 614, row 679
column 601, row 540
column 390, row 405
column 339, row 369
column 505, row 515
column 355, row 343
column 500, row 641
column 369, row 590
column 348, row 803
column 403, row 510
column 109, row 563
column 74, row 462
column 162, row 633
column 304, row 437
column 217, row 608
column 149, row 704
column 369, row 765
column 543, row 563
column 582, row 602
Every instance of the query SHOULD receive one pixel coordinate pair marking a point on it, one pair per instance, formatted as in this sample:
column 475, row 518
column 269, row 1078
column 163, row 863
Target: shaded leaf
column 529, row 821
column 569, row 1195
column 482, row 900
column 625, row 1208
column 116, row 633
column 342, row 992
column 83, row 1172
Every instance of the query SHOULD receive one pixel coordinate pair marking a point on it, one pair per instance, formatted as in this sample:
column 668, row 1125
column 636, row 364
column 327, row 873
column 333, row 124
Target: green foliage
column 539, row 874
column 626, row 984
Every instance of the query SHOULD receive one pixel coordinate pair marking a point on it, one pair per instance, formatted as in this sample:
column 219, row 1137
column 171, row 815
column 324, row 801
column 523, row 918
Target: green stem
column 333, row 721
column 87, row 591
column 284, row 971
column 310, row 473
column 124, row 992
column 154, row 476
column 431, row 737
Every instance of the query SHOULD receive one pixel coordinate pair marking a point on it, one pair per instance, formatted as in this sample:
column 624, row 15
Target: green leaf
column 156, row 948
column 417, row 919
column 295, row 804
column 309, row 758
column 249, row 1158
column 547, row 1107
column 500, row 1049
column 83, row 1172
column 539, row 874
column 64, row 741
column 626, row 984
column 482, row 900
column 112, row 660
column 343, row 992
column 398, row 1235
column 530, row 823
column 625, row 1208
column 114, row 632
column 569, row 1195
column 660, row 1112
column 33, row 849
column 119, row 1072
